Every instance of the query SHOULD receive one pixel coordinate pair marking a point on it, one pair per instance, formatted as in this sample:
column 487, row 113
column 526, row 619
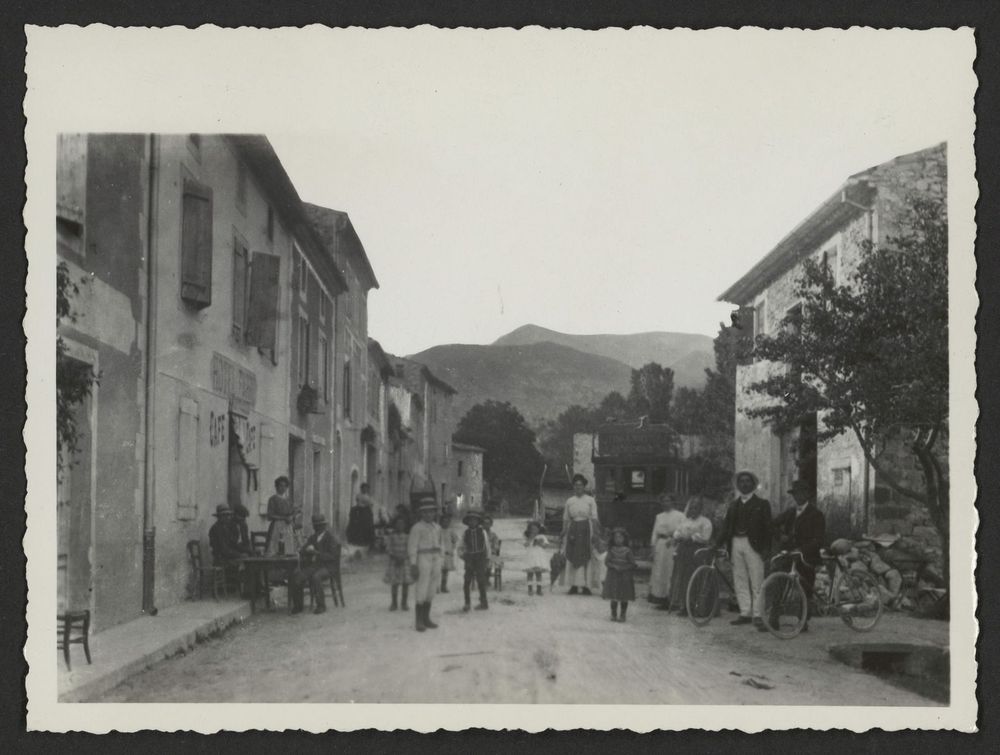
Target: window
column 196, row 244
column 303, row 351
column 831, row 261
column 347, row 388
column 241, row 187
column 241, row 286
column 460, row 468
column 324, row 350
column 842, row 477
column 71, row 176
column 270, row 223
column 760, row 318
column 187, row 460
column 659, row 479
column 793, row 320
column 324, row 306
column 635, row 479
column 262, row 311
column 296, row 268
column 304, row 280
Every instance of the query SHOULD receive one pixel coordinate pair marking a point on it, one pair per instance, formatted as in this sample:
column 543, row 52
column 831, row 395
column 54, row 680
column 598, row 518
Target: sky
column 590, row 182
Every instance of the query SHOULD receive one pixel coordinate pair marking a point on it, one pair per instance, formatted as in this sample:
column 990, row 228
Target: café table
column 257, row 572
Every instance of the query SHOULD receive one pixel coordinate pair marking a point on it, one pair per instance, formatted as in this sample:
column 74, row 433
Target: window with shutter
column 264, row 297
column 303, row 351
column 347, row 388
column 324, row 353
column 196, row 244
column 187, row 460
column 71, row 179
column 241, row 282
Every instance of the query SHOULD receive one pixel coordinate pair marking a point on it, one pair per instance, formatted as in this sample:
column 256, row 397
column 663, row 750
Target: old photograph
column 489, row 368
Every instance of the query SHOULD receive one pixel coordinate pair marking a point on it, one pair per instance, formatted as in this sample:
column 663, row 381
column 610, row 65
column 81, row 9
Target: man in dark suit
column 802, row 527
column 746, row 534
column 319, row 552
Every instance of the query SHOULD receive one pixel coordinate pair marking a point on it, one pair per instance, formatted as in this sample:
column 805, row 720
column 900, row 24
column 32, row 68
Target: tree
column 613, row 407
column 74, row 379
column 511, row 465
column 871, row 355
column 651, row 392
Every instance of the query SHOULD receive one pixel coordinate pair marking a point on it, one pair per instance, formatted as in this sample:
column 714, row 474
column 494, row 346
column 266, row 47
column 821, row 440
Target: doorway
column 296, row 471
column 317, row 481
column 74, row 516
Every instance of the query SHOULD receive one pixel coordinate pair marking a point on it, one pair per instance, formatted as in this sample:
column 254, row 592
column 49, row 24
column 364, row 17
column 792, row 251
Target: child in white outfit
column 538, row 561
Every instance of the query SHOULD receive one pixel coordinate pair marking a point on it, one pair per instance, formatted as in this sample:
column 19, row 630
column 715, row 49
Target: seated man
column 802, row 528
column 239, row 521
column 320, row 551
column 223, row 539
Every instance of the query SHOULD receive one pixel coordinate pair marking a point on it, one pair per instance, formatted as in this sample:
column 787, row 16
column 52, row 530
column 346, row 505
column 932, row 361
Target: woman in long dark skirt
column 361, row 520
column 694, row 532
column 579, row 528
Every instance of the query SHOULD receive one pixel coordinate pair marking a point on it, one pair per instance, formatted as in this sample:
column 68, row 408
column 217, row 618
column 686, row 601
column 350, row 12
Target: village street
column 550, row 649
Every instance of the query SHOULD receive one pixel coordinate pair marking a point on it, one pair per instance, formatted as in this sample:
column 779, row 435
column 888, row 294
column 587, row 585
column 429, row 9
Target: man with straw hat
column 319, row 551
column 424, row 550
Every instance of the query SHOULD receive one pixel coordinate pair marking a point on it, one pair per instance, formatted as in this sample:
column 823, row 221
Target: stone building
column 210, row 301
column 376, row 437
column 467, row 477
column 353, row 459
column 102, row 214
column 868, row 206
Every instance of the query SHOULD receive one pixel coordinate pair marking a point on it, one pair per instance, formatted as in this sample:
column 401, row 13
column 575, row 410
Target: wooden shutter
column 240, row 315
column 187, row 460
column 71, row 176
column 196, row 244
column 262, row 317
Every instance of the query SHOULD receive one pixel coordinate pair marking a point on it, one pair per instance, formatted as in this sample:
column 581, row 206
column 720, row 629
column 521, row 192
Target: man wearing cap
column 746, row 534
column 319, row 551
column 802, row 528
column 424, row 551
column 475, row 552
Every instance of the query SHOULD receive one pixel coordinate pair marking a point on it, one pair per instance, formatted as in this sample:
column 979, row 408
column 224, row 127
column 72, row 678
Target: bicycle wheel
column 702, row 595
column 783, row 605
column 859, row 601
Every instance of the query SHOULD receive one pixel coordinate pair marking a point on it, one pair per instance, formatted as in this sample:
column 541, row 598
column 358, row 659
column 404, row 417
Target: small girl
column 538, row 562
column 618, row 583
column 449, row 541
column 398, row 571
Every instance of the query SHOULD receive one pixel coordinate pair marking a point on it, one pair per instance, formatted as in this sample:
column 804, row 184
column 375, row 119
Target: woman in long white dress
column 662, row 540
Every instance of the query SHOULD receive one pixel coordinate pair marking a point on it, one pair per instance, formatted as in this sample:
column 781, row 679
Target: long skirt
column 684, row 566
column 662, row 571
column 281, row 532
column 361, row 526
column 619, row 585
column 578, row 545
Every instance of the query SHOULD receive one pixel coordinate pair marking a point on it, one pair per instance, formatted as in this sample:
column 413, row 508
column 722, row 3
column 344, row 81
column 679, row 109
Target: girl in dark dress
column 619, row 587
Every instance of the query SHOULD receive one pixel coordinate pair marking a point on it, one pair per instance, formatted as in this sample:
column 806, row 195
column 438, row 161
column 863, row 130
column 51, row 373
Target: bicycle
column 853, row 595
column 702, row 598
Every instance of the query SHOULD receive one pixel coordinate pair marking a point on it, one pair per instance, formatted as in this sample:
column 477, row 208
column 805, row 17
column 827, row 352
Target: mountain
column 542, row 371
column 540, row 379
column 687, row 354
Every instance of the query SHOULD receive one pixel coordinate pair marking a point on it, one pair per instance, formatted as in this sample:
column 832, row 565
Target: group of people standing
column 747, row 533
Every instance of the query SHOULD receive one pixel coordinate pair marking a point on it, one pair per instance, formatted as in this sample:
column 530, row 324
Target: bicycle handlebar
column 786, row 554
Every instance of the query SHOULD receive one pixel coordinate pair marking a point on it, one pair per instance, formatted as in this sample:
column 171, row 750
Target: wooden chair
column 213, row 575
column 336, row 586
column 258, row 541
column 69, row 622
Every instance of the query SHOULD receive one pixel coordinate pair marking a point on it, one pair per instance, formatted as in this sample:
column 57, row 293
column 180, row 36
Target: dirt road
column 550, row 649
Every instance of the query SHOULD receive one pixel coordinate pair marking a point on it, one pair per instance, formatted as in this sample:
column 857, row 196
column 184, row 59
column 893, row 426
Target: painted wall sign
column 231, row 380
column 217, row 429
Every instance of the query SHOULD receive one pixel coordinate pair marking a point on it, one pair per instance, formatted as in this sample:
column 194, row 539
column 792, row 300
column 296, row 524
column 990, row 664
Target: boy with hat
column 475, row 552
column 424, row 551
column 321, row 550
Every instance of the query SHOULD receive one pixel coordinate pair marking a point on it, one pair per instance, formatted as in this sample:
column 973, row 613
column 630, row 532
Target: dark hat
column 318, row 519
column 801, row 486
column 472, row 514
column 222, row 510
column 241, row 511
